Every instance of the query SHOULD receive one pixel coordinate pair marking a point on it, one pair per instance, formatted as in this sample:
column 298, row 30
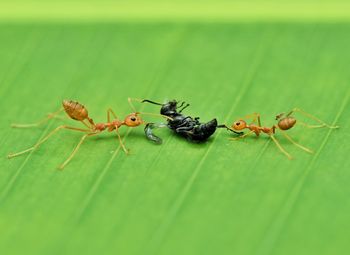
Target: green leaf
column 219, row 197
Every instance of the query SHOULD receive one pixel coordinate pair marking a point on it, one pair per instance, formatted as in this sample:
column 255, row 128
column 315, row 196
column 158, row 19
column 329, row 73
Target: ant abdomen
column 75, row 110
column 286, row 123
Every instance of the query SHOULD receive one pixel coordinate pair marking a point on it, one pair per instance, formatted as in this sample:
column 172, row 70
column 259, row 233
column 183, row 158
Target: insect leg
column 149, row 131
column 295, row 143
column 196, row 120
column 89, row 125
column 75, row 150
column 255, row 118
column 279, row 116
column 322, row 123
column 109, row 112
column 185, row 122
column 40, row 122
column 121, row 143
column 280, row 147
column 151, row 102
column 184, row 129
column 179, row 106
column 184, row 107
column 315, row 126
column 12, row 155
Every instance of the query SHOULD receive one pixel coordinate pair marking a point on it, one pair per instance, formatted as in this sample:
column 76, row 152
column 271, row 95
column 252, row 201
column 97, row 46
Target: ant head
column 133, row 120
column 239, row 125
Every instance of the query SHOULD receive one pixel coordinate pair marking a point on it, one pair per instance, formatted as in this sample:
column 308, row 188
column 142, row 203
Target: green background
column 227, row 59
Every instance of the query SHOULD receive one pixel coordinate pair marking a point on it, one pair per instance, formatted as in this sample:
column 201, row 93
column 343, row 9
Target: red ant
column 285, row 122
column 78, row 112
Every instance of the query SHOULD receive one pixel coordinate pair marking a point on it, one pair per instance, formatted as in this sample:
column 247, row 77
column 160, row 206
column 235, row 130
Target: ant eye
column 133, row 118
column 238, row 123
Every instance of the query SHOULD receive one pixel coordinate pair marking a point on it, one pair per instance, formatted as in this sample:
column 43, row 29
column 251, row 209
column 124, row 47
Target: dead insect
column 285, row 122
column 186, row 126
column 78, row 112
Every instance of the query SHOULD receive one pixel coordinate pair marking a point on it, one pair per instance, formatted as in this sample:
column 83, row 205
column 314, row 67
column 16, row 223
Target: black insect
column 190, row 128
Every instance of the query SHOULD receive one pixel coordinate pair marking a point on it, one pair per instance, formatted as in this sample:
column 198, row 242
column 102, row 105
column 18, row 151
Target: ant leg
column 109, row 112
column 295, row 143
column 36, row 124
column 12, row 155
column 322, row 123
column 255, row 118
column 241, row 136
column 258, row 118
column 75, row 150
column 121, row 143
column 280, row 115
column 88, row 125
column 280, row 147
column 315, row 126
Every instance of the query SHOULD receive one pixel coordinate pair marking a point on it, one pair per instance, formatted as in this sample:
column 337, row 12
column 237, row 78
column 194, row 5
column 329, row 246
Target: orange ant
column 285, row 122
column 78, row 112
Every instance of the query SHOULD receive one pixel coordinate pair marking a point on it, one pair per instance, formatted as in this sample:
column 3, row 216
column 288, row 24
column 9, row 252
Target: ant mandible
column 285, row 122
column 78, row 112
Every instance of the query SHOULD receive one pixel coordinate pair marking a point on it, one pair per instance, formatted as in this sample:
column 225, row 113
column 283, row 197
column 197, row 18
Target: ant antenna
column 229, row 129
column 131, row 104
column 155, row 114
column 145, row 113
